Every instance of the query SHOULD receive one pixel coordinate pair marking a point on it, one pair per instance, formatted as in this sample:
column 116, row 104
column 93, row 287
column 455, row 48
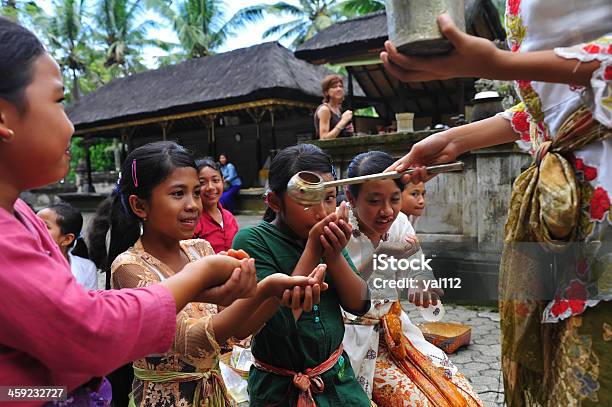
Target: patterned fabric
column 567, row 286
column 532, row 26
column 195, row 349
column 393, row 388
column 434, row 384
column 580, row 364
column 379, row 373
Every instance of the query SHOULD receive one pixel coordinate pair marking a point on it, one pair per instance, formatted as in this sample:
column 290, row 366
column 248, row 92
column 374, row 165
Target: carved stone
column 413, row 28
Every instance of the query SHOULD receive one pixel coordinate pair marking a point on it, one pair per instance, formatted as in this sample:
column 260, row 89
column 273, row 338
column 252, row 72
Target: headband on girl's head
column 333, row 172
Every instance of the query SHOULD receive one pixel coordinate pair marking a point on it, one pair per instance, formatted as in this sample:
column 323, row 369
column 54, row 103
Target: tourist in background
column 232, row 183
column 329, row 120
column 217, row 225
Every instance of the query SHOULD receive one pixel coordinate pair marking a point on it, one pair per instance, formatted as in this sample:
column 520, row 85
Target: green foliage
column 93, row 41
column 310, row 17
column 102, row 158
column 352, row 8
column 124, row 35
column 366, row 112
column 200, row 25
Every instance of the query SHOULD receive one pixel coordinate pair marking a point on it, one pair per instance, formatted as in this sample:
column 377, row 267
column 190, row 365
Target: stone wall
column 463, row 223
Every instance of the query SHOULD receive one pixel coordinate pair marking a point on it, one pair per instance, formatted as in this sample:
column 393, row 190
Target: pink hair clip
column 134, row 177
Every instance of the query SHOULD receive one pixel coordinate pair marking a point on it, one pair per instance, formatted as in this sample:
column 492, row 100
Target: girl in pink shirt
column 54, row 332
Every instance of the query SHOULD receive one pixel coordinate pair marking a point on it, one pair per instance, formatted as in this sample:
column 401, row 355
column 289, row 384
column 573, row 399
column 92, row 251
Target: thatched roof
column 259, row 72
column 369, row 32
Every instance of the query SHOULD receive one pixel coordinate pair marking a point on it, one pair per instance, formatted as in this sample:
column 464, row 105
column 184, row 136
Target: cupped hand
column 304, row 298
column 335, row 237
column 470, row 57
column 242, row 283
column 421, row 297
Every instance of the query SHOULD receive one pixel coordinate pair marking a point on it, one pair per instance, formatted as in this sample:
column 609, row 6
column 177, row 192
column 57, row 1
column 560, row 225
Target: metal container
column 413, row 28
column 308, row 188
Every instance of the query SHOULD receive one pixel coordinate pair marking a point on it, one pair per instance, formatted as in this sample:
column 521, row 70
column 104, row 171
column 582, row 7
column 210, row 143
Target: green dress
column 296, row 345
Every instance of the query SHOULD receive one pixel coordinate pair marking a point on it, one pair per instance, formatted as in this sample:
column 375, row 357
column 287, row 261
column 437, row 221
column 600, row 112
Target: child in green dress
column 298, row 353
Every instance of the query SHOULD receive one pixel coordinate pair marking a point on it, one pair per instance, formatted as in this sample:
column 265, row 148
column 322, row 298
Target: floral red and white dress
column 580, row 31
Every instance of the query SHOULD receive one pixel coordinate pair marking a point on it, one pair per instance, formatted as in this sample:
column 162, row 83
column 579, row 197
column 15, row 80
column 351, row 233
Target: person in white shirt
column 64, row 223
column 384, row 347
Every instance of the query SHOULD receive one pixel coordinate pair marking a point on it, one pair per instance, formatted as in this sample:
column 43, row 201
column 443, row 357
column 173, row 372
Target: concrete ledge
column 251, row 202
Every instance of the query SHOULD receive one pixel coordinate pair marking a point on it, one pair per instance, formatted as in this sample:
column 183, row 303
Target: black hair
column 371, row 162
column 290, row 161
column 207, row 162
column 144, row 169
column 70, row 220
column 19, row 48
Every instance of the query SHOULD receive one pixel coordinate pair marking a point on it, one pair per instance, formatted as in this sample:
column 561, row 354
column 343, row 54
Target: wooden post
column 350, row 87
column 87, row 144
column 273, row 128
column 124, row 139
column 165, row 126
column 213, row 140
column 257, row 115
column 461, row 103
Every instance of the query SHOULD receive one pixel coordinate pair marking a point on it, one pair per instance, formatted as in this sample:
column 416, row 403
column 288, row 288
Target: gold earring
column 10, row 138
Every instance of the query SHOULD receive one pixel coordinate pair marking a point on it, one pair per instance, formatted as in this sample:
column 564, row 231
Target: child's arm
column 352, row 289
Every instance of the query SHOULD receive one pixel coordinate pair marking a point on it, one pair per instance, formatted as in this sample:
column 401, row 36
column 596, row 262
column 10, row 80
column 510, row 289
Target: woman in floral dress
column 556, row 274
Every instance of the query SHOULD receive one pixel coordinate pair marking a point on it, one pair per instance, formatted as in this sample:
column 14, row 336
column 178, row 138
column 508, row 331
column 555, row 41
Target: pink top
column 220, row 238
column 52, row 331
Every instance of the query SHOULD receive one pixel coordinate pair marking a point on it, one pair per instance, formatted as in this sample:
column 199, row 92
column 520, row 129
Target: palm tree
column 200, row 25
column 123, row 34
column 310, row 17
column 361, row 7
column 8, row 8
column 20, row 10
column 69, row 39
